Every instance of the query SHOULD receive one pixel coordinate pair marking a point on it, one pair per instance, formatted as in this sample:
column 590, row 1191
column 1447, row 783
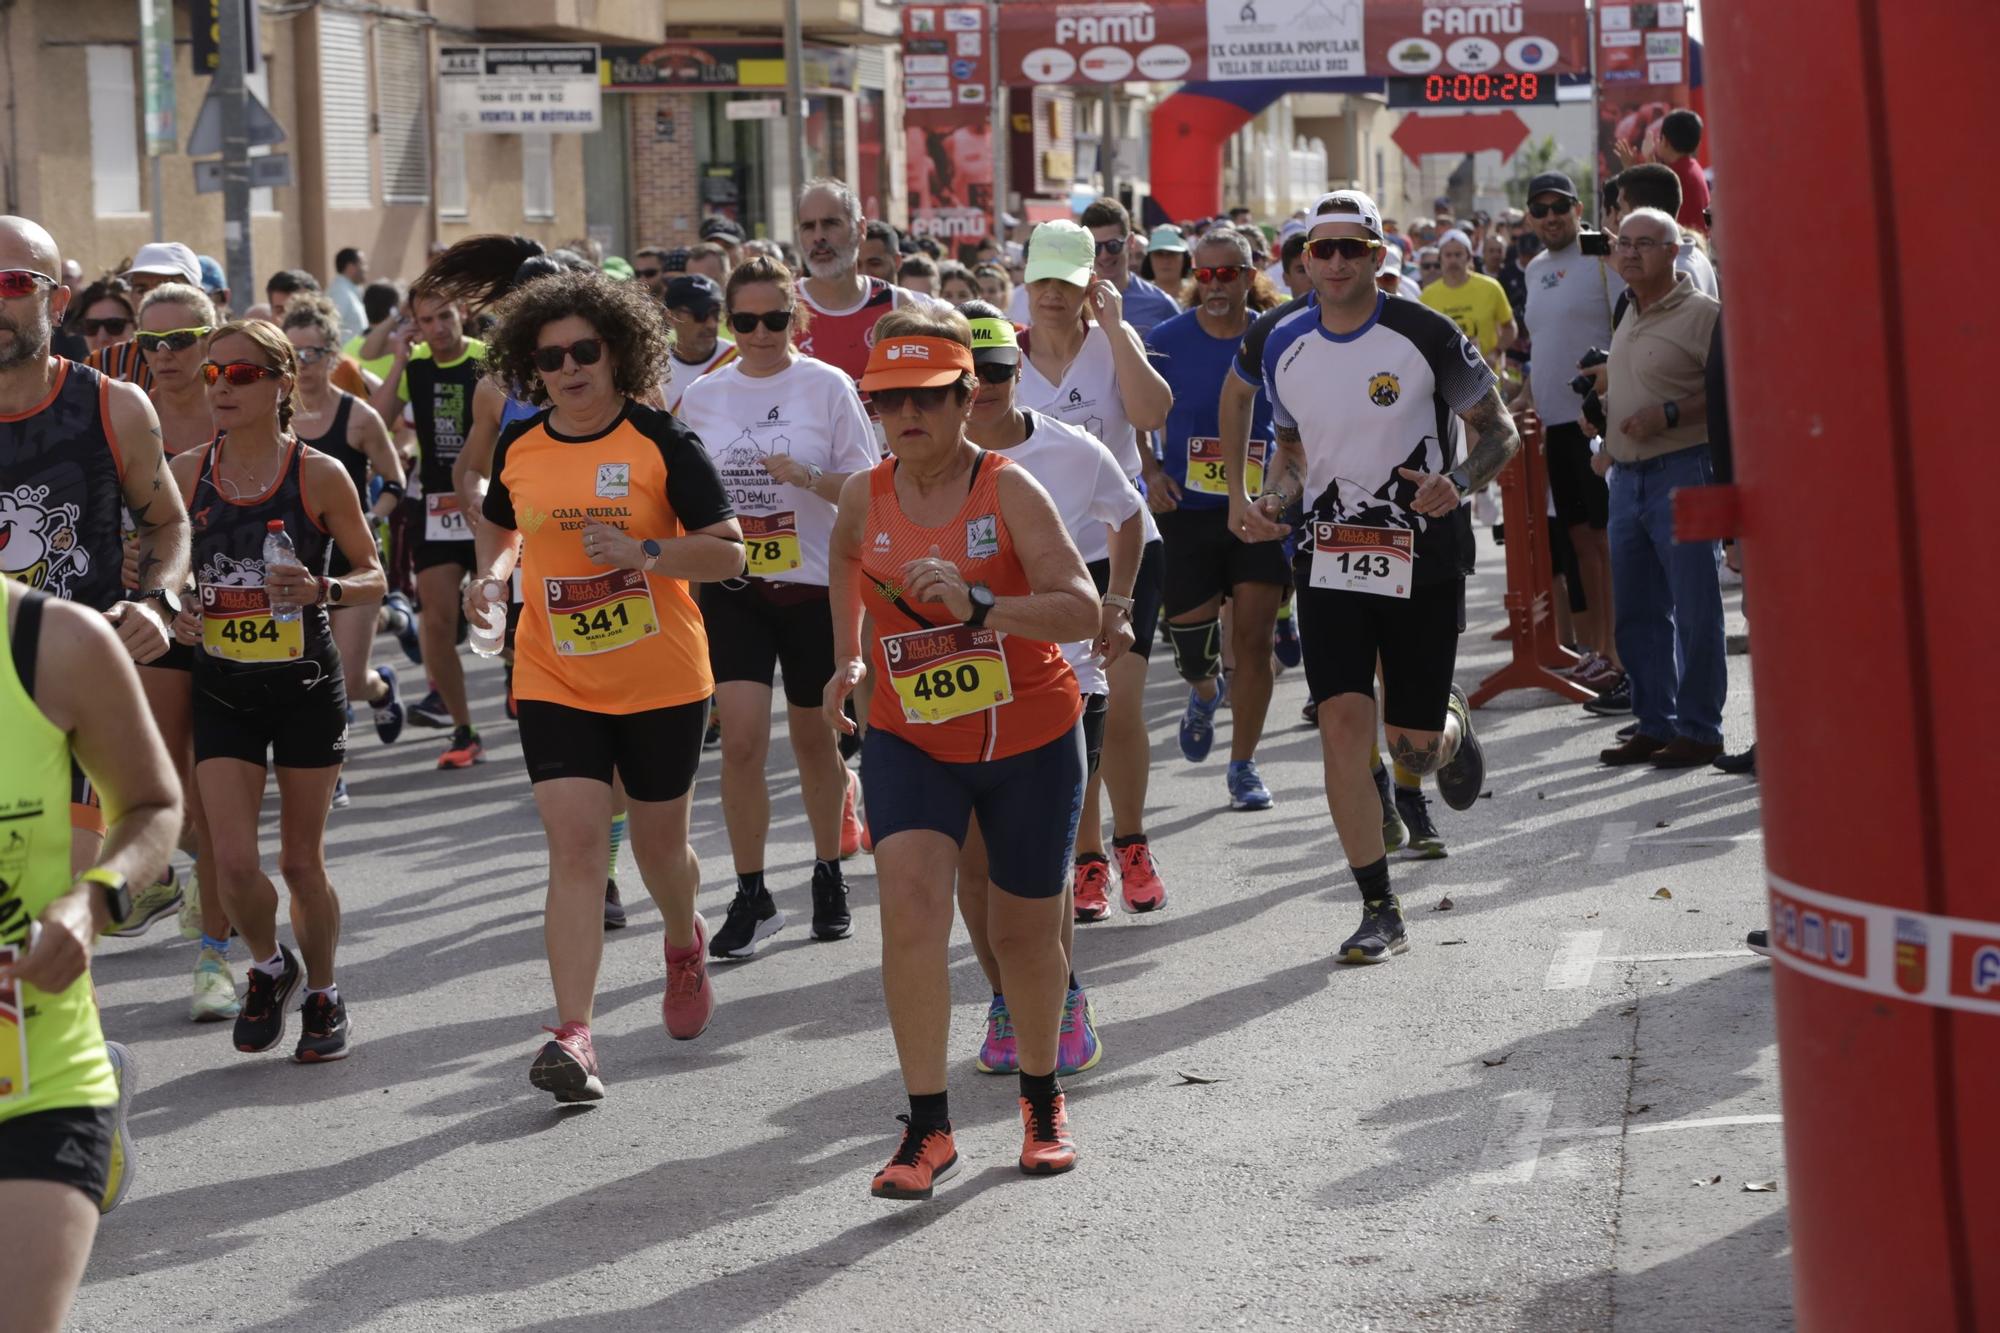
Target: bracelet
column 1124, row 604
column 322, row 581
column 394, row 488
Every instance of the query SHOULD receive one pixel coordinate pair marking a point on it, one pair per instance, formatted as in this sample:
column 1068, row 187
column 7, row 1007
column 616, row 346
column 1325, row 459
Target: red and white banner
column 1951, row 962
column 1642, row 74
column 1109, row 41
column 947, row 98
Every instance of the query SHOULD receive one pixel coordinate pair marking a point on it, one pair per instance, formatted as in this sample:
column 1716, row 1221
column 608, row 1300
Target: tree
column 1539, row 155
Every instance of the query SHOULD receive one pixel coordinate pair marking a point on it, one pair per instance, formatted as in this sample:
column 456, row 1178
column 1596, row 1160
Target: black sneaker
column 1380, row 935
column 614, row 909
column 1759, row 941
column 830, row 916
column 429, row 711
column 1394, row 835
column 1425, row 843
column 1614, row 702
column 261, row 1025
column 1744, row 762
column 1628, row 731
column 324, row 1030
column 1460, row 780
column 751, row 920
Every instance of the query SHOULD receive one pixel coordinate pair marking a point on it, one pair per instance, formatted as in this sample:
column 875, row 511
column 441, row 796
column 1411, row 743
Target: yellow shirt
column 1478, row 306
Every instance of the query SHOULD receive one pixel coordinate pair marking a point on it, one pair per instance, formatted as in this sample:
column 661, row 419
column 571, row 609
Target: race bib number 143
column 1361, row 559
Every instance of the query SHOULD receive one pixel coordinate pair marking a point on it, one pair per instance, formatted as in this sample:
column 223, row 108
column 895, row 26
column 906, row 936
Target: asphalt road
column 1514, row 1126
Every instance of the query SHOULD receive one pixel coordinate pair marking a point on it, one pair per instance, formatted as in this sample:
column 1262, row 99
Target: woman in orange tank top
column 971, row 582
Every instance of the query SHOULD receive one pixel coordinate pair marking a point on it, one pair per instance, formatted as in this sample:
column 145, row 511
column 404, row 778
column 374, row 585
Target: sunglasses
column 990, row 372
column 647, row 273
column 1347, row 247
column 1558, row 207
column 930, row 399
column 16, row 283
column 777, row 321
column 1428, row 264
column 240, row 374
column 1111, row 247
column 1219, row 273
column 549, row 360
column 312, row 356
column 174, row 340
column 115, row 327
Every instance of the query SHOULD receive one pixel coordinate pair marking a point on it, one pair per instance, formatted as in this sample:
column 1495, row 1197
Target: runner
column 784, row 431
column 845, row 304
column 1105, row 517
column 174, row 320
column 156, row 264
column 694, row 313
column 1188, row 489
column 975, row 710
column 68, row 698
column 1361, row 387
column 1094, row 375
column 267, row 686
column 436, row 378
column 106, row 314
column 619, row 508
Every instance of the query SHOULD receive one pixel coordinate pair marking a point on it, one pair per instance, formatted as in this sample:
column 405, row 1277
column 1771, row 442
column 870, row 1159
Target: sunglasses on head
column 241, row 374
column 115, row 326
column 16, row 283
column 891, row 401
column 1219, row 273
column 174, row 340
column 1347, row 247
column 548, row 360
column 1558, row 206
column 1111, row 247
column 991, row 372
column 777, row 321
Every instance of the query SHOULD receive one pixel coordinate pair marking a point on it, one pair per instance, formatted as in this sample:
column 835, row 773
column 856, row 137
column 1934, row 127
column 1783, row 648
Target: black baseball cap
column 1552, row 182
column 695, row 293
column 713, row 227
column 675, row 261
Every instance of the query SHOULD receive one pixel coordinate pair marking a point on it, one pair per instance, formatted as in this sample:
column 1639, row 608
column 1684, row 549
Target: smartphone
column 1596, row 243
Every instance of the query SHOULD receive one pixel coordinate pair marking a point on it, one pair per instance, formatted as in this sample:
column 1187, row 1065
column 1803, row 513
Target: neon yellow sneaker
column 214, row 989
column 119, row 1182
column 149, row 905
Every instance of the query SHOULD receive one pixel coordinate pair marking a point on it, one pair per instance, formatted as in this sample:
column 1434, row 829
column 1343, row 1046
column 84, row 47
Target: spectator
column 285, row 284
column 1680, row 137
column 955, row 283
column 919, row 274
column 1473, row 301
column 760, row 245
column 676, row 260
column 710, row 260
column 1145, row 304
column 1669, row 596
column 72, row 277
column 649, row 265
column 881, row 251
column 214, row 283
column 1652, row 185
column 350, row 275
column 1239, row 217
column 381, row 306
column 725, row 233
column 996, row 286
column 103, row 314
column 1166, row 261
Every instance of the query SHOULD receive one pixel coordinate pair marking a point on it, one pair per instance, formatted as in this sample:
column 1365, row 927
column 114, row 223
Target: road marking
column 1515, row 1144
column 1698, row 840
column 1674, row 957
column 1663, row 1127
column 1614, row 840
column 1576, row 959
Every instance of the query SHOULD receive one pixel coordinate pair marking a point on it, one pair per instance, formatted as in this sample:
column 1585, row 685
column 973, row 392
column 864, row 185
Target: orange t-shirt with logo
column 592, row 637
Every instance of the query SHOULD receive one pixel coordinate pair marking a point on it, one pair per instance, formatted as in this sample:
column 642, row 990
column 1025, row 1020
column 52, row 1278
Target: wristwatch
column 1461, row 479
column 111, row 891
column 1124, row 604
column 330, row 591
column 652, row 550
column 814, row 470
column 1672, row 410
column 168, row 599
column 982, row 600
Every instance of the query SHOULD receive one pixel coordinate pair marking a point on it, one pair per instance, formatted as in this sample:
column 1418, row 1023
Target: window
column 115, row 153
column 538, row 177
column 402, row 69
column 343, row 79
column 451, row 180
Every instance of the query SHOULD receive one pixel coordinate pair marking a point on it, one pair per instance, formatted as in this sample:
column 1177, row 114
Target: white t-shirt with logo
column 810, row 411
column 1088, row 397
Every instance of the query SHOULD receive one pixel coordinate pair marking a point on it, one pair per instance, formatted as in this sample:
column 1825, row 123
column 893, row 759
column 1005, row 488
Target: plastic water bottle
column 278, row 550
column 488, row 636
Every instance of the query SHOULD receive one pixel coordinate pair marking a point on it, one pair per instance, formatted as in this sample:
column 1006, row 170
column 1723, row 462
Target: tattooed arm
column 1284, row 484
column 158, row 514
column 1494, row 438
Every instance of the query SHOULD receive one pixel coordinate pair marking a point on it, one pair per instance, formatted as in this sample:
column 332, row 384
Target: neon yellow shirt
column 1478, row 306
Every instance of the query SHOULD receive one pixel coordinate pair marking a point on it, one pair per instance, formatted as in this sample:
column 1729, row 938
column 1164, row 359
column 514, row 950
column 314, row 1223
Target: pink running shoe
column 690, row 1000
column 997, row 1054
column 1138, row 880
column 1077, row 1047
column 567, row 1066
column 1093, row 876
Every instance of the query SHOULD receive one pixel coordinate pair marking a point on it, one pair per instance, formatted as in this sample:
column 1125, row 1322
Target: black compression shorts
column 1205, row 560
column 758, row 627
column 69, row 1145
column 656, row 752
column 1581, row 496
column 1342, row 633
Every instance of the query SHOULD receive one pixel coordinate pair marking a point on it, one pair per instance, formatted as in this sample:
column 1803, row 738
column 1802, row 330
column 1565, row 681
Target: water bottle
column 278, row 551
column 488, row 636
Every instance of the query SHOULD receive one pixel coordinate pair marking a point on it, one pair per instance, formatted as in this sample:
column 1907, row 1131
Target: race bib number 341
column 1361, row 559
column 948, row 672
column 601, row 613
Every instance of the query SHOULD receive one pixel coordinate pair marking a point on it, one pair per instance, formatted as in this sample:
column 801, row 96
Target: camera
column 1583, row 384
column 1596, row 244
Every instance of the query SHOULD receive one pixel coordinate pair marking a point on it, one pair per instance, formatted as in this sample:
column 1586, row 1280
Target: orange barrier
column 1530, row 600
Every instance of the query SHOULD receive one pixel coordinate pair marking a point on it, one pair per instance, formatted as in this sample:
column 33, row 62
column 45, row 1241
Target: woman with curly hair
column 614, row 508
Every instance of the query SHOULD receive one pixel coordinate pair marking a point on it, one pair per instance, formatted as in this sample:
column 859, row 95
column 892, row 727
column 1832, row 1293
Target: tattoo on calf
column 1428, row 759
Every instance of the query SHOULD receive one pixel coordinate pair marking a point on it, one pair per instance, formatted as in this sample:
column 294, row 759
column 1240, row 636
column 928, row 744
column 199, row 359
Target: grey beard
column 30, row 343
column 838, row 268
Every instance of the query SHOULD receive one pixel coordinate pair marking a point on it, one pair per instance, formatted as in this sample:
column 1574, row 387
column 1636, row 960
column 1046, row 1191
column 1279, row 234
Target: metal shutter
column 402, row 66
column 538, row 179
column 343, row 78
column 871, row 67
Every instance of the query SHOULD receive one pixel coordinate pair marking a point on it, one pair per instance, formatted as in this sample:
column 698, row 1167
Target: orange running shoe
column 1138, row 880
column 1093, row 877
column 1046, row 1147
column 922, row 1159
column 853, row 833
column 465, row 750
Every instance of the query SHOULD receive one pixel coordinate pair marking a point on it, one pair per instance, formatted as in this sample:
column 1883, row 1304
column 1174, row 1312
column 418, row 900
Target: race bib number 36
column 772, row 543
column 1359, row 559
column 601, row 613
column 949, row 672
column 443, row 520
column 1204, row 466
column 13, row 1034
column 236, row 623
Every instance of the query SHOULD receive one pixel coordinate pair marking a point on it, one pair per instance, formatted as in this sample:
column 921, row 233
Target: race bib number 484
column 1361, row 559
column 236, row 623
column 948, row 672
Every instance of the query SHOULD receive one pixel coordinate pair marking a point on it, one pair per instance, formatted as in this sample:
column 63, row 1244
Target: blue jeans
column 1669, row 601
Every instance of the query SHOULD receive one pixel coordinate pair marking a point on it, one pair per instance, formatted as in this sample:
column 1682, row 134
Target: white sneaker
column 215, row 996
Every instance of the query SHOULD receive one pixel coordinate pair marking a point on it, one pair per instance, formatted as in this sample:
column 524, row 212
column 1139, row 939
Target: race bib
column 1204, row 466
column 13, row 1034
column 1358, row 559
column 601, row 613
column 443, row 520
column 949, row 672
column 772, row 542
column 236, row 623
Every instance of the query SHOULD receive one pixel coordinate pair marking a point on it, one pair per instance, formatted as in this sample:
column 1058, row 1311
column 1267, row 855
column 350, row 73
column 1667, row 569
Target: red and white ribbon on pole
column 1947, row 961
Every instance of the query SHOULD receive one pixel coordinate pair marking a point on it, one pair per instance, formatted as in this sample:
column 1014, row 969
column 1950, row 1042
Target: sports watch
column 168, row 599
column 982, row 600
column 652, row 550
column 1672, row 411
column 1461, row 479
column 112, row 891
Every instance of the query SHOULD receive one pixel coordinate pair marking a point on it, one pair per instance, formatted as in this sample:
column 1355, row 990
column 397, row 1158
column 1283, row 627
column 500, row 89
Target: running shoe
column 214, row 989
column 851, row 828
column 465, row 750
column 261, row 1024
column 689, row 1001
column 1246, row 788
column 567, row 1065
column 341, row 799
column 189, row 915
column 831, row 919
column 1759, row 942
column 1198, row 725
column 118, row 1181
column 1285, row 641
column 1394, row 833
column 998, row 1054
column 402, row 618
column 429, row 711
column 323, row 1030
column 1310, row 712
column 1380, row 935
column 389, row 713
column 149, row 905
column 1077, row 1046
column 712, row 738
column 614, row 906
column 924, row 1157
column 1614, row 702
column 508, row 704
column 1590, row 664
column 1046, row 1146
column 753, row 918
column 1628, row 731
column 1138, row 879
column 1093, row 877
column 1460, row 780
column 1413, row 809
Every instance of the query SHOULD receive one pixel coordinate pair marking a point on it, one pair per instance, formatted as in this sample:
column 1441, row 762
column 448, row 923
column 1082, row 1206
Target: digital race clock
column 1497, row 88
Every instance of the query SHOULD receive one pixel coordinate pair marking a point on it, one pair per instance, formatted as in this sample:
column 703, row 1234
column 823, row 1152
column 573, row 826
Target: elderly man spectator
column 1651, row 185
column 1656, row 413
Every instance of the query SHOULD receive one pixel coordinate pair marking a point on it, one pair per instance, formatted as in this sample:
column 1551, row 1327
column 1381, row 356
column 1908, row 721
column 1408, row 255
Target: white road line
column 1614, row 840
column 1663, row 1127
column 1515, row 1144
column 1576, row 959
column 1674, row 957
column 1697, row 840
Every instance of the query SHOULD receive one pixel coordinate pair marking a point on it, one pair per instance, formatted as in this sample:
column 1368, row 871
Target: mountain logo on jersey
column 982, row 537
column 1384, row 388
column 38, row 544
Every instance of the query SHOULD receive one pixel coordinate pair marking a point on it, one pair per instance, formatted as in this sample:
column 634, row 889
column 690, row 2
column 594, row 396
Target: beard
column 30, row 342
column 839, row 266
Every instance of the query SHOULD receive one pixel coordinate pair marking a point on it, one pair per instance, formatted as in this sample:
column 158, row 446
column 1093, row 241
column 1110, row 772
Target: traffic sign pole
column 239, row 259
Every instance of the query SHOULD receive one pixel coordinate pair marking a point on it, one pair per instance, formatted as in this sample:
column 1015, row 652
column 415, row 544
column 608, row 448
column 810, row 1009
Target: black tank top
column 335, row 446
column 61, row 499
column 228, row 559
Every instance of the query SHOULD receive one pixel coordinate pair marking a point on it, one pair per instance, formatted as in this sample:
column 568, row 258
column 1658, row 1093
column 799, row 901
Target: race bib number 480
column 443, row 520
column 1360, row 559
column 771, row 542
column 948, row 672
column 601, row 612
column 1204, row 466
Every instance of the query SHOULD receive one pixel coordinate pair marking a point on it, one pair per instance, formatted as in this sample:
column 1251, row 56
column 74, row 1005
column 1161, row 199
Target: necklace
column 257, row 488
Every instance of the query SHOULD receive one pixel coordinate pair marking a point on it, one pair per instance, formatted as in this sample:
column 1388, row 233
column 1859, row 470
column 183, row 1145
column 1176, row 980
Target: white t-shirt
column 808, row 410
column 1088, row 396
column 1570, row 299
column 683, row 373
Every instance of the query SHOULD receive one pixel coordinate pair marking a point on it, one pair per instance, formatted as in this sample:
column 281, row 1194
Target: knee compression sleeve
column 1197, row 649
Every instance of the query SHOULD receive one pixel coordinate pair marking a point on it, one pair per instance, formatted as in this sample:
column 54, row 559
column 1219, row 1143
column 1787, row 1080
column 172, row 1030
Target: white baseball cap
column 170, row 258
column 1346, row 206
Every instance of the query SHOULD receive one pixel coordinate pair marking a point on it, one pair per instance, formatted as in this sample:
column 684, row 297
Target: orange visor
column 915, row 363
